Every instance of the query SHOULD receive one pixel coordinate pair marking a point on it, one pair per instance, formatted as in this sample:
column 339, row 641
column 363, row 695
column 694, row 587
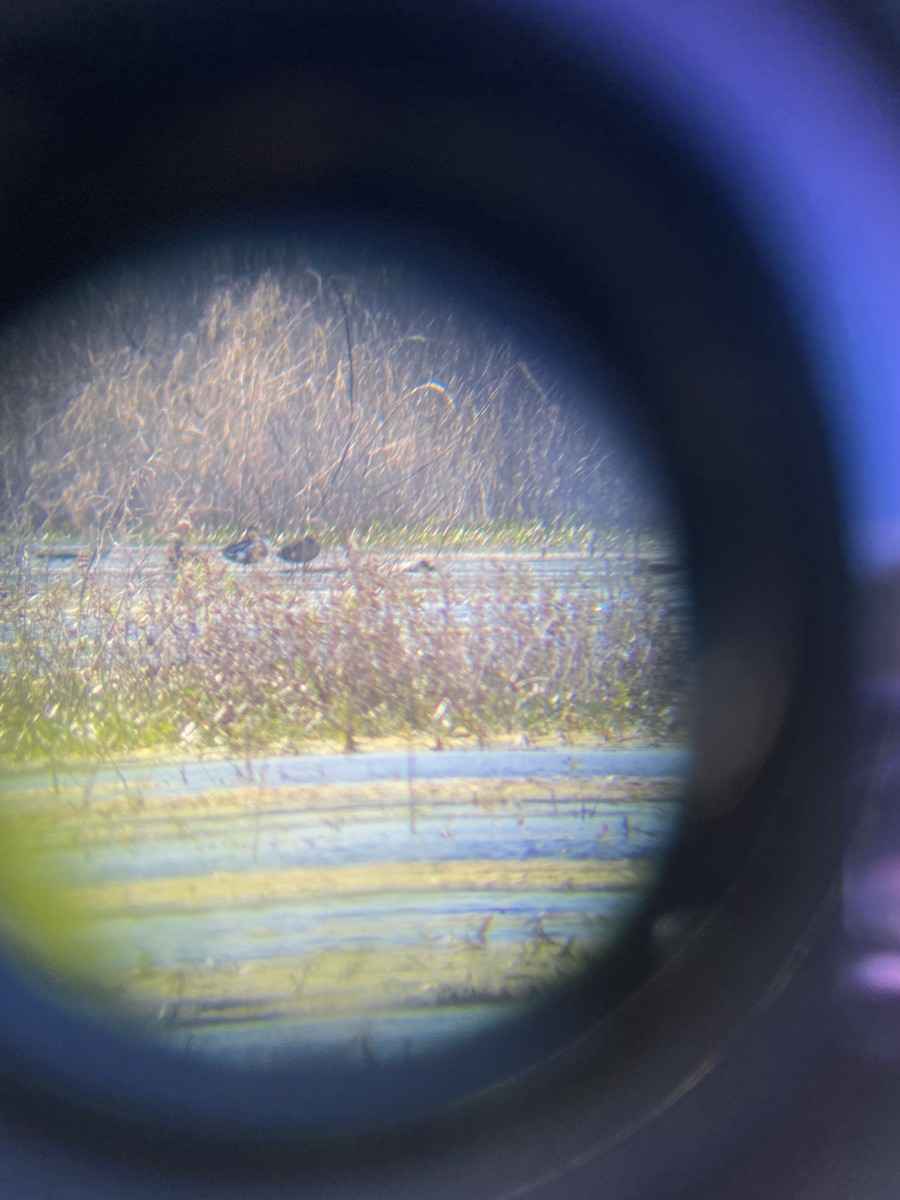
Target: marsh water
column 370, row 903
column 652, row 560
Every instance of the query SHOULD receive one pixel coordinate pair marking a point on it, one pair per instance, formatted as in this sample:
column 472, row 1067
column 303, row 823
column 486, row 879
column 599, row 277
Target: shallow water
column 383, row 899
column 609, row 576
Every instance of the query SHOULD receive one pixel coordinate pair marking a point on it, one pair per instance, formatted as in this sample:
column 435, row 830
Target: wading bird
column 303, row 551
column 250, row 549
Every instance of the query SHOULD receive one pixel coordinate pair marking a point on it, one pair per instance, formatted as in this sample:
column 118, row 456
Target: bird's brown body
column 303, row 551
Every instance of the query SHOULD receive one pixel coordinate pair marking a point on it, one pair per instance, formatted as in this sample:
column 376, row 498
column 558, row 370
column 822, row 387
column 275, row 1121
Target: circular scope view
column 344, row 690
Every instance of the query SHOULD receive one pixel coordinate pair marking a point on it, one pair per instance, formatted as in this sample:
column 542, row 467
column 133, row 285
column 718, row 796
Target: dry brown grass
column 275, row 405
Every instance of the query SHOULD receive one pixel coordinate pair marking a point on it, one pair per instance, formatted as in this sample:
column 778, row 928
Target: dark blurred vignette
column 838, row 1137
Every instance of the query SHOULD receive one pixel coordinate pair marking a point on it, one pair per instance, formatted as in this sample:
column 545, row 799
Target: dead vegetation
column 284, row 398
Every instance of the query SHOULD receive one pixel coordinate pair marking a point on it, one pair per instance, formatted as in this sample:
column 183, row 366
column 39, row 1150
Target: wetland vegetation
column 112, row 663
column 361, row 409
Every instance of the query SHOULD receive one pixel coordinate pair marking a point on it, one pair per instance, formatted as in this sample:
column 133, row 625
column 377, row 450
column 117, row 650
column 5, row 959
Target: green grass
column 571, row 537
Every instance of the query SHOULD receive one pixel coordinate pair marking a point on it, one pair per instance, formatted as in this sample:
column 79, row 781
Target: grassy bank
column 215, row 660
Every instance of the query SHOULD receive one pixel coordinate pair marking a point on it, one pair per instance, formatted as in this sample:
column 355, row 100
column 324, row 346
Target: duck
column 251, row 548
column 303, row 551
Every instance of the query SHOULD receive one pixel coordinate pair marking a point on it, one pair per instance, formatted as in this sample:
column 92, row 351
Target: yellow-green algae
column 294, row 883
